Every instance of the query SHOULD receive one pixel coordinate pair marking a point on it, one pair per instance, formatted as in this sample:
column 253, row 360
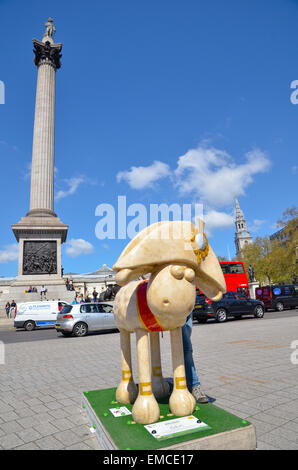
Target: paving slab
column 244, row 367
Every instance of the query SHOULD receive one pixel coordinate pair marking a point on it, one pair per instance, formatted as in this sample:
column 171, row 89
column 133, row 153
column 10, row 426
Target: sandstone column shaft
column 42, row 171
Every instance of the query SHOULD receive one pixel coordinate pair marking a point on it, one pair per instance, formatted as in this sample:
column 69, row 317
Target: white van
column 30, row 315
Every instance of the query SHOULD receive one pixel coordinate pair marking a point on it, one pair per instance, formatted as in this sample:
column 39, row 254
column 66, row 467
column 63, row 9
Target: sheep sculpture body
column 178, row 258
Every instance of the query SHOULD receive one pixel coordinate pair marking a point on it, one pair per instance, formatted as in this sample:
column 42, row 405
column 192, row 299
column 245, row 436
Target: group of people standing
column 79, row 299
column 10, row 309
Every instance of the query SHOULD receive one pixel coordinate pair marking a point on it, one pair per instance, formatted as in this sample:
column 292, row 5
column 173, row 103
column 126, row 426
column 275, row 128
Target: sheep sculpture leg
column 160, row 386
column 181, row 401
column 145, row 409
column 127, row 390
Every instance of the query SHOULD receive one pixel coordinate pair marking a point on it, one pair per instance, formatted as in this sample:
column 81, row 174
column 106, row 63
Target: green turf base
column 122, row 433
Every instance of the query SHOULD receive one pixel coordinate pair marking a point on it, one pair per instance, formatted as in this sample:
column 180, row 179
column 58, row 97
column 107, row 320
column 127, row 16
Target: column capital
column 48, row 53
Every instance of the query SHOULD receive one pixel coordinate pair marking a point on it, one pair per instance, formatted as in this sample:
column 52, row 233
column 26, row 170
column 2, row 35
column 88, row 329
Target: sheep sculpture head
column 178, row 258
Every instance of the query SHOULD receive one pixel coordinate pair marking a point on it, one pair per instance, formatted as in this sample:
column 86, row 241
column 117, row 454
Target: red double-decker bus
column 235, row 276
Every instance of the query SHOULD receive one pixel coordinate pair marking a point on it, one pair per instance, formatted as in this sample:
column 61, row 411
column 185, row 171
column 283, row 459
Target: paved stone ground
column 245, row 365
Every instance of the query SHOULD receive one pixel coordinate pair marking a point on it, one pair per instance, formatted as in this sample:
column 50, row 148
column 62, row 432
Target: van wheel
column 29, row 325
column 221, row 315
column 279, row 306
column 80, row 329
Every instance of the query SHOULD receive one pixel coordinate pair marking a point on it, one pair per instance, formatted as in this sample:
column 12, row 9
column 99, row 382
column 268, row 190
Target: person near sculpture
column 193, row 382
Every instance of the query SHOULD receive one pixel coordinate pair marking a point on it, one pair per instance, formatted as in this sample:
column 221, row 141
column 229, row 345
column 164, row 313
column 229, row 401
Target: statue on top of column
column 46, row 51
column 50, row 28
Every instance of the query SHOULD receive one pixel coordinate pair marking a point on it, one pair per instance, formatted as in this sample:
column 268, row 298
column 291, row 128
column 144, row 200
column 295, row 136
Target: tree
column 288, row 243
column 222, row 258
column 260, row 256
column 275, row 260
column 289, row 216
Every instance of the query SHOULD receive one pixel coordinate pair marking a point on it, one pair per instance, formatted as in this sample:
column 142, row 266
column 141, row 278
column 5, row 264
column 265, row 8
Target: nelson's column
column 40, row 233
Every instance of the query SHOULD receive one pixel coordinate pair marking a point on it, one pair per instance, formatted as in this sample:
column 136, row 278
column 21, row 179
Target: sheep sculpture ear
column 126, row 275
column 209, row 277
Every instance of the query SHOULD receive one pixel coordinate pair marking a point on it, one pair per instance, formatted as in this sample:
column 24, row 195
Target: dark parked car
column 231, row 304
column 278, row 297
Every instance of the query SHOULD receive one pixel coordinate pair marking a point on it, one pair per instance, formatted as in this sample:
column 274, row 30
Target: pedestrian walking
column 7, row 309
column 12, row 309
column 95, row 294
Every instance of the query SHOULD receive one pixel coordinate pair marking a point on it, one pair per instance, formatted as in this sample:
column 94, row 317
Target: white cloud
column 144, row 176
column 72, row 185
column 212, row 175
column 78, row 247
column 10, row 253
column 205, row 172
column 256, row 225
column 208, row 175
column 215, row 220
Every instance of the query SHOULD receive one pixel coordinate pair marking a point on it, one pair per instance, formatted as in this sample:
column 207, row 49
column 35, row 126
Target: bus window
column 225, row 268
column 236, row 268
column 232, row 268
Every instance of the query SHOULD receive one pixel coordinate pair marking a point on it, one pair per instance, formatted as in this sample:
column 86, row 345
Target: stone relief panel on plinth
column 40, row 257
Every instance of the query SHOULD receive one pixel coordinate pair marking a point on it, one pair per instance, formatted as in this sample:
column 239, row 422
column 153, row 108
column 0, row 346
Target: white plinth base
column 252, row 288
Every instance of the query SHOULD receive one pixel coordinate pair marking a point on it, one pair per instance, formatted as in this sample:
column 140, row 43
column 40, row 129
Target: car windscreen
column 107, row 308
column 66, row 309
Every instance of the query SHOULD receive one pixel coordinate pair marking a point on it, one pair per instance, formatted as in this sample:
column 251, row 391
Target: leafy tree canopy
column 275, row 260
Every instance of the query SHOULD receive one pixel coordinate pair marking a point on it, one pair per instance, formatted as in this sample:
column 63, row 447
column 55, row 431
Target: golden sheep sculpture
column 179, row 258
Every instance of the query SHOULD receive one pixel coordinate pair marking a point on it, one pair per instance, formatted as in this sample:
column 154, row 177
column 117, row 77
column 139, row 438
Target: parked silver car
column 79, row 319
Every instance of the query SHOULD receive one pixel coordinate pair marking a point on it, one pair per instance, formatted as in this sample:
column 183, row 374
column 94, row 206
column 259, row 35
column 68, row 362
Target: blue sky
column 160, row 101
